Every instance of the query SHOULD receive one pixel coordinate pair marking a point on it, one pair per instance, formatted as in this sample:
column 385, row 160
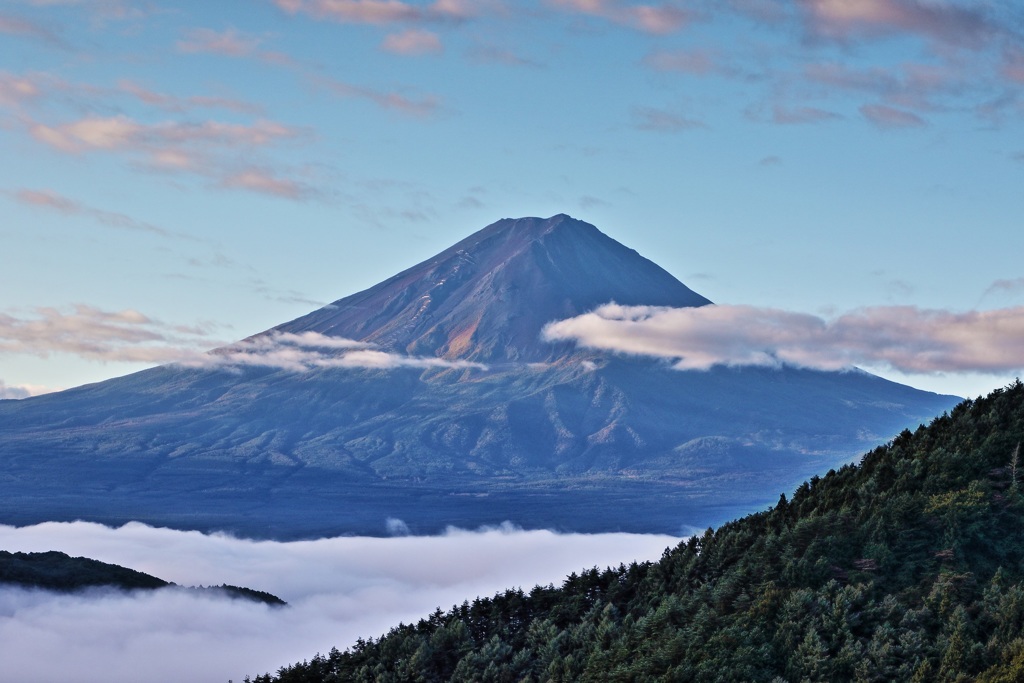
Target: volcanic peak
column 487, row 297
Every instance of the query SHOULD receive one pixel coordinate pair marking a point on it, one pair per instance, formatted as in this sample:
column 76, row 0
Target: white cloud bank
column 902, row 338
column 338, row 589
column 131, row 336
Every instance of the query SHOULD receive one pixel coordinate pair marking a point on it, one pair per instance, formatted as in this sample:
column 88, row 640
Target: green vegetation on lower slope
column 907, row 567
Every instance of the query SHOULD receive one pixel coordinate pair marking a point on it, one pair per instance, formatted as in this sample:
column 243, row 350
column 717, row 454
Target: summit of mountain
column 487, row 297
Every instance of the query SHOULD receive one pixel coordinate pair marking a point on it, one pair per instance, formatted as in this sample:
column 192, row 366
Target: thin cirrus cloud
column 122, row 133
column 413, row 42
column 891, row 118
column 657, row 19
column 799, row 115
column 903, row 338
column 210, row 149
column 416, row 107
column 382, row 12
column 18, row 26
column 662, row 121
column 48, row 199
column 943, row 22
column 693, row 62
column 230, row 43
column 337, row 589
column 173, row 103
column 265, row 180
column 98, row 335
column 15, row 90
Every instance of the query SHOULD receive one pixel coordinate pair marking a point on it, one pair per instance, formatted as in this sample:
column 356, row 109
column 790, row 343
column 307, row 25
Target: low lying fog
column 338, row 589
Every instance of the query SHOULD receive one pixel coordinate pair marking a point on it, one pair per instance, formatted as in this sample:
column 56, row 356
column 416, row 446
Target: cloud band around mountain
column 904, row 338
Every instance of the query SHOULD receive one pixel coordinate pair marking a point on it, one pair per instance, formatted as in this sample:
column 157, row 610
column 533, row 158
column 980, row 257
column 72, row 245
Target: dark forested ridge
column 57, row 571
column 905, row 567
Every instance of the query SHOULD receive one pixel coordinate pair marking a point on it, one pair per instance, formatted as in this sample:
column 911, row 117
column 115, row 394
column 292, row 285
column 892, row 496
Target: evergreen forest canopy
column 906, row 567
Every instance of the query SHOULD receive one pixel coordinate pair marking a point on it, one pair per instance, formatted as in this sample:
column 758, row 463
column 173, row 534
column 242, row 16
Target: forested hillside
column 57, row 571
column 907, row 566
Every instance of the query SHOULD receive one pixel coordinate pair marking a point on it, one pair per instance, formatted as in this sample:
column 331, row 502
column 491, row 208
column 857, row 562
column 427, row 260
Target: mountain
column 431, row 400
column 58, row 572
column 907, row 567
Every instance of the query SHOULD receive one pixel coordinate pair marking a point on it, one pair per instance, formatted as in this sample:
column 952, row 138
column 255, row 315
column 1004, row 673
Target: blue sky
column 176, row 175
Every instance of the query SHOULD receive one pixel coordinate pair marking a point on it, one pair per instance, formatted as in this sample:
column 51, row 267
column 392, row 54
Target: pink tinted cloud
column 183, row 104
column 782, row 114
column 266, row 181
column 422, row 107
column 659, row 120
column 48, row 199
column 890, row 118
column 212, row 149
column 124, row 133
column 18, row 26
column 381, row 12
column 904, row 338
column 695, row 62
column 657, row 19
column 413, row 42
column 95, row 334
column 1012, row 67
column 230, row 42
column 911, row 85
column 15, row 90
column 939, row 20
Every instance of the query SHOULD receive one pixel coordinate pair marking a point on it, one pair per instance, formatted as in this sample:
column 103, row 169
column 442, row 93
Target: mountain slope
column 543, row 435
column 907, row 567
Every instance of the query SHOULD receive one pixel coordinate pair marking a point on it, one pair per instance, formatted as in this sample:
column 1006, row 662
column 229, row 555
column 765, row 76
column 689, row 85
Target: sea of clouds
column 338, row 589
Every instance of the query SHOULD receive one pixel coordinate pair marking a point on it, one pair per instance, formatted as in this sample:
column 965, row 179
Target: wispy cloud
column 417, row 107
column 130, row 336
column 891, row 118
column 413, row 42
column 267, row 181
column 212, row 149
column 493, row 54
column 103, row 9
column 48, row 199
column 658, row 19
column 173, row 103
column 1006, row 286
column 942, row 21
column 694, row 62
column 230, row 42
column 338, row 590
column 784, row 115
column 309, row 350
column 662, row 121
column 903, row 338
column 122, row 133
column 98, row 335
column 382, row 12
column 19, row 26
column 16, row 89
